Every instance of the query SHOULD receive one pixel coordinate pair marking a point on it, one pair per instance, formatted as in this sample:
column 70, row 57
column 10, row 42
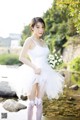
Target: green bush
column 75, row 68
column 75, row 77
column 75, row 64
column 9, row 59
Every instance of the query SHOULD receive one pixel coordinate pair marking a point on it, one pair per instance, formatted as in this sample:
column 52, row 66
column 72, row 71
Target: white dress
column 50, row 82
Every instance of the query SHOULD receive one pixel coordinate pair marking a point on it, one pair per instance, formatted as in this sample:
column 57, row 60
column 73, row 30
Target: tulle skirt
column 50, row 82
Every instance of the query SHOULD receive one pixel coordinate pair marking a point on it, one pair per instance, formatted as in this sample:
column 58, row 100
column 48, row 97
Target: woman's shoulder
column 29, row 42
column 28, row 38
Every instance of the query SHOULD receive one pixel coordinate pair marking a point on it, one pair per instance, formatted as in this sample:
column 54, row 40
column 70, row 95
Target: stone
column 1, row 99
column 6, row 90
column 71, row 99
column 23, row 97
column 74, row 87
column 13, row 105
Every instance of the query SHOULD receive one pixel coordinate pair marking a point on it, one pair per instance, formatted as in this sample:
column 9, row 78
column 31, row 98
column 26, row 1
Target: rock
column 23, row 97
column 71, row 99
column 6, row 90
column 13, row 106
column 74, row 87
column 1, row 99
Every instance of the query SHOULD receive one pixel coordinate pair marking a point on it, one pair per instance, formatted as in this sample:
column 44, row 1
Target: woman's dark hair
column 36, row 20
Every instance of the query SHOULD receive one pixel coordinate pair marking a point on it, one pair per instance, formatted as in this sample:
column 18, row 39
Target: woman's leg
column 31, row 103
column 35, row 98
column 38, row 102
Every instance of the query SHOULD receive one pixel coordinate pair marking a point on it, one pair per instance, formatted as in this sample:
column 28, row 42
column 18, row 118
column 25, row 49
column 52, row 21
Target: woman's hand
column 37, row 71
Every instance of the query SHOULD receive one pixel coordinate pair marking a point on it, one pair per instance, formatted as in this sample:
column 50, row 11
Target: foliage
column 71, row 28
column 74, row 11
column 75, row 64
column 75, row 68
column 25, row 33
column 60, row 23
column 75, row 77
column 50, row 42
column 9, row 59
column 59, row 43
column 56, row 25
column 62, row 19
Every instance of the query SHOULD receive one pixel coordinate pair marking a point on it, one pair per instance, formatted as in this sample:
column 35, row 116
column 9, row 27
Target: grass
column 9, row 59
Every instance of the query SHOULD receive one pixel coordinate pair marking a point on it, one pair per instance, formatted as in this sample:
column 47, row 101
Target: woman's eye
column 37, row 27
column 43, row 27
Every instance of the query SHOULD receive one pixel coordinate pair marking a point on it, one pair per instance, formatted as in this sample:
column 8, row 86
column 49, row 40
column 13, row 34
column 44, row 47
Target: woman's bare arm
column 23, row 54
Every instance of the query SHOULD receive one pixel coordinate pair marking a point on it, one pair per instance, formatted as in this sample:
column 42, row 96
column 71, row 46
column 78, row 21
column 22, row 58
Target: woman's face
column 38, row 29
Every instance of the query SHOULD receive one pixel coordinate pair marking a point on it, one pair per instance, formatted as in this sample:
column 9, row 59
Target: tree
column 25, row 33
column 74, row 11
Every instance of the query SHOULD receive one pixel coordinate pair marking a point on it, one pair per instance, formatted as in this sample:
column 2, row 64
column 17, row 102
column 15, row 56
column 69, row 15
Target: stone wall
column 72, row 50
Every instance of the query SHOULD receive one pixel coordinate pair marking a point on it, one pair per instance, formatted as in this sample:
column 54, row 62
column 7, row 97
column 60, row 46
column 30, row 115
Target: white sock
column 38, row 101
column 39, row 108
column 30, row 105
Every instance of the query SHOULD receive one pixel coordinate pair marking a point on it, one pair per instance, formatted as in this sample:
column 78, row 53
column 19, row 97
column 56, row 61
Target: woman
column 37, row 77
